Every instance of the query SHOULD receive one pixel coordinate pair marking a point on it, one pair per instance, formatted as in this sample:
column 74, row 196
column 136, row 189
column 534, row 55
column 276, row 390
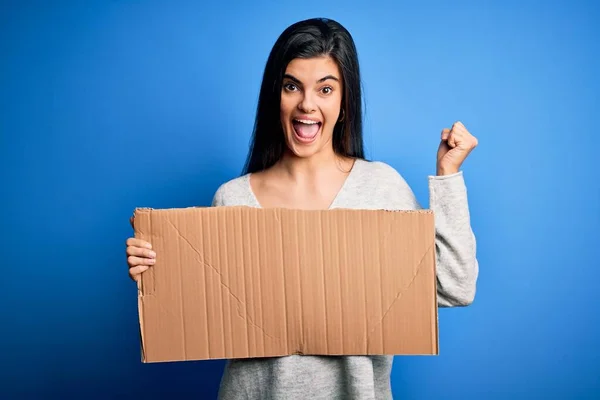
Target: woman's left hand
column 457, row 143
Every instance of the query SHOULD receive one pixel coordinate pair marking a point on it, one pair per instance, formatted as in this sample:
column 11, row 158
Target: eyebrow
column 323, row 79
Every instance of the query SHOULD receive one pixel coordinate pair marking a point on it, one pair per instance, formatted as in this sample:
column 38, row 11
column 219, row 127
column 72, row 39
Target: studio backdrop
column 110, row 105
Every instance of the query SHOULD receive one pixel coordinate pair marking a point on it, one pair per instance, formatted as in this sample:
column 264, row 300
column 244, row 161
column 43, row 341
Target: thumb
column 443, row 148
column 445, row 134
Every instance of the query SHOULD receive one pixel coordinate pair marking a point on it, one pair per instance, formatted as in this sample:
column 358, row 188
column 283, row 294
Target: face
column 310, row 105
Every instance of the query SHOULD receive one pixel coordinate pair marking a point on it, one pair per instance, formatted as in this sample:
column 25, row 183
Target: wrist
column 441, row 171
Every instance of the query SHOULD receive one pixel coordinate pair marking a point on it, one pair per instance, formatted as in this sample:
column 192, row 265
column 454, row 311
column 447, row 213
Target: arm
column 457, row 265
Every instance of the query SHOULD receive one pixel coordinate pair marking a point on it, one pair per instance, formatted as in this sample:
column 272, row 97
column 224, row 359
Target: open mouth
column 306, row 130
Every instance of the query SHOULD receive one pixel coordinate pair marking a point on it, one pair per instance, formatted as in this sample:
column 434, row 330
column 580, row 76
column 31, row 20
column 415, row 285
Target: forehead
column 312, row 69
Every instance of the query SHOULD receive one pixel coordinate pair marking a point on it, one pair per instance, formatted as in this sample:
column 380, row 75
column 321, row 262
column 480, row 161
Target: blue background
column 109, row 105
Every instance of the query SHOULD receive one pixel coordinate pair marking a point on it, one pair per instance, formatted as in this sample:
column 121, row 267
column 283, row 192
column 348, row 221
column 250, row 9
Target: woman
column 307, row 153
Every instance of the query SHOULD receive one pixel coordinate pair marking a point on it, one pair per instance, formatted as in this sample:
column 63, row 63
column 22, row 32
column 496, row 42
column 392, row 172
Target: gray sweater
column 370, row 185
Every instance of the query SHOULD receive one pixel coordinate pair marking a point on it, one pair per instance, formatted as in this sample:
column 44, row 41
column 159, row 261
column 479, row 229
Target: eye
column 327, row 90
column 289, row 87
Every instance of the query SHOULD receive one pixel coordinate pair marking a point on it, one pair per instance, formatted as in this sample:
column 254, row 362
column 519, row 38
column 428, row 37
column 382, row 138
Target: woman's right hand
column 140, row 257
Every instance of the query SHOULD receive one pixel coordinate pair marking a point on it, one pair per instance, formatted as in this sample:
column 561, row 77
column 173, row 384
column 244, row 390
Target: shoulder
column 381, row 174
column 376, row 184
column 235, row 192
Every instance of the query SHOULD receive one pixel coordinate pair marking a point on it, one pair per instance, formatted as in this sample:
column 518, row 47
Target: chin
column 303, row 152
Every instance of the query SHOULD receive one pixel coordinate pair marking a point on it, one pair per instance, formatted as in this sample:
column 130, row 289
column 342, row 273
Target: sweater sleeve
column 457, row 265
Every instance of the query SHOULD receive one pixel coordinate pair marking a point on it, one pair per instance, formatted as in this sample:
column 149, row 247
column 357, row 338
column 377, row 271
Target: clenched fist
column 457, row 143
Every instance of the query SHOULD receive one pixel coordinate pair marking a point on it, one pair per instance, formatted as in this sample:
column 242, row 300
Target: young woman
column 307, row 153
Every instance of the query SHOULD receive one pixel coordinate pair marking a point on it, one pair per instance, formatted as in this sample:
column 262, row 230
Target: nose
column 307, row 103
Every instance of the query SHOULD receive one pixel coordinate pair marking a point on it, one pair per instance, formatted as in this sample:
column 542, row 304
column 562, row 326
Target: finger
column 135, row 272
column 452, row 139
column 134, row 261
column 140, row 252
column 458, row 126
column 138, row 243
column 460, row 130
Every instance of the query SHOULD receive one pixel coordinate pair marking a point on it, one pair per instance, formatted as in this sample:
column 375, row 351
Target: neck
column 300, row 168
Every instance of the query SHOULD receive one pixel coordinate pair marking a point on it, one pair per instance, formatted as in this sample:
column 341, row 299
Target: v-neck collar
column 335, row 200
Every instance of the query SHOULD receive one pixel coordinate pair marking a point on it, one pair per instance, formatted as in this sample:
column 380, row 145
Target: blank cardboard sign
column 238, row 282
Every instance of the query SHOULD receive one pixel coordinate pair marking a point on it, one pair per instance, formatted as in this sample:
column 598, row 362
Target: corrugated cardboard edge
column 140, row 286
column 435, row 332
column 141, row 323
column 436, row 315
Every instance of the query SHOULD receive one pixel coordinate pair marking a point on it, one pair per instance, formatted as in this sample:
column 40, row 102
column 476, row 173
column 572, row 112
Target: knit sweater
column 370, row 185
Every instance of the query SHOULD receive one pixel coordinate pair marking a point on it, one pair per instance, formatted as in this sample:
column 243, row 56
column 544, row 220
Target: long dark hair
column 306, row 39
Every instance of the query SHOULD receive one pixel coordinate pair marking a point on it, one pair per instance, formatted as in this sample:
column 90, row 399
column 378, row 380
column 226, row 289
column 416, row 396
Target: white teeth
column 306, row 121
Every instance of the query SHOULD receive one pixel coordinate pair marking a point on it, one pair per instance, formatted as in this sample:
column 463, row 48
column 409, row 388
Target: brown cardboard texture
column 238, row 282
